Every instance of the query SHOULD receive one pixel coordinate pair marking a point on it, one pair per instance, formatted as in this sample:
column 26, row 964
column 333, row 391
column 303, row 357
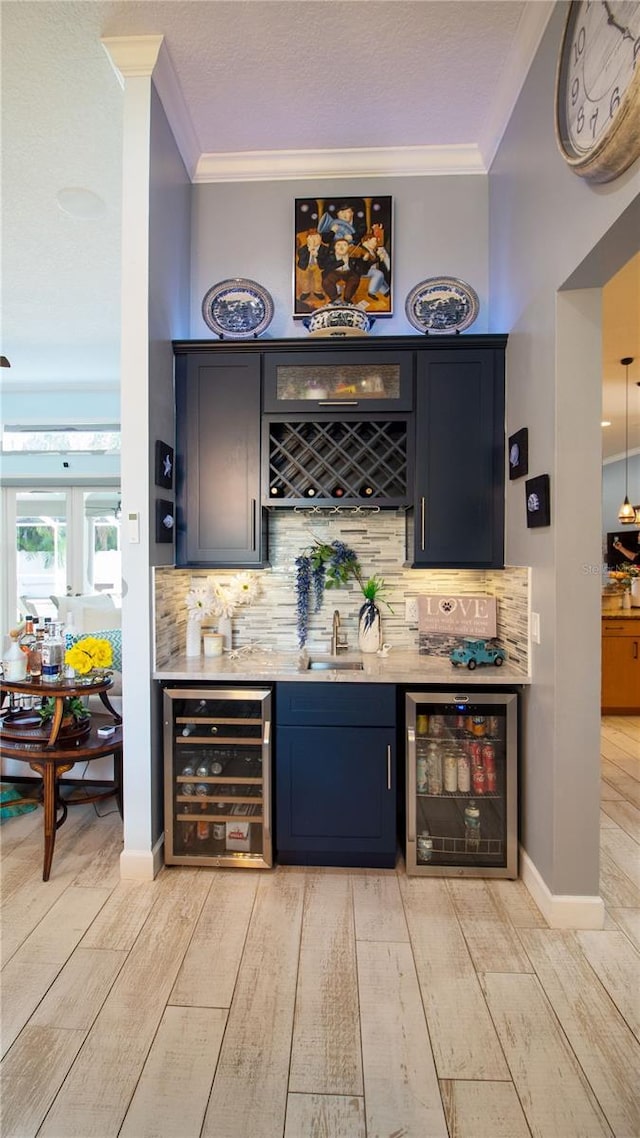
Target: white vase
column 226, row 630
column 194, row 637
column 635, row 592
column 369, row 628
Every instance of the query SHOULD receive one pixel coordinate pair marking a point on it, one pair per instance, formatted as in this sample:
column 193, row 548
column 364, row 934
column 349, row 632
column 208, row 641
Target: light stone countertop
column 622, row 614
column 399, row 667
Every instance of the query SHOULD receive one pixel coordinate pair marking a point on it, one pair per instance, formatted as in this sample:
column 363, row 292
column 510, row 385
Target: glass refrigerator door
column 461, row 784
column 217, row 778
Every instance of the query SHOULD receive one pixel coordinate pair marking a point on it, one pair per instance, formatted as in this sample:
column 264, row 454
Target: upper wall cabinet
column 319, row 380
column 219, row 516
column 458, row 516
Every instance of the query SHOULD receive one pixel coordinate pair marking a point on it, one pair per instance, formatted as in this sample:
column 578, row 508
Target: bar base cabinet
column 217, row 756
column 461, row 775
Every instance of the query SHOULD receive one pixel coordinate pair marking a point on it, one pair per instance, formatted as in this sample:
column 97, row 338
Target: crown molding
column 132, row 57
column 531, row 28
column 369, row 162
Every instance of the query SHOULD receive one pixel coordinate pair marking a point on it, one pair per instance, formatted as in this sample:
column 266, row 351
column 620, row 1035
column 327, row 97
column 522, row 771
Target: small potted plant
column 75, row 716
column 369, row 622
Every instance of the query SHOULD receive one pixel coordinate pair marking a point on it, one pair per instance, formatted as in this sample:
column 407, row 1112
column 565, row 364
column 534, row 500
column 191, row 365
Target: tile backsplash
column 378, row 539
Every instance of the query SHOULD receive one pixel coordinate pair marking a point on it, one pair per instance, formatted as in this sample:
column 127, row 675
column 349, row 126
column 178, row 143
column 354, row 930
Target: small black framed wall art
column 165, row 520
column 164, row 465
column 538, row 501
column 519, row 453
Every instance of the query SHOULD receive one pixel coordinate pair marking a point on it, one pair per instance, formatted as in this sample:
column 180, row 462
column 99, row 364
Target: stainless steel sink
column 335, row 665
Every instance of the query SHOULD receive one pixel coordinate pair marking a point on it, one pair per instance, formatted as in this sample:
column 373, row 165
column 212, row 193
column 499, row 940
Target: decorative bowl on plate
column 442, row 306
column 237, row 309
column 339, row 320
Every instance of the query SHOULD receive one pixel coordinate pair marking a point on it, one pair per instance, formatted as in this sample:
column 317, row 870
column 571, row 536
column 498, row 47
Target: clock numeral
column 592, row 122
column 580, row 120
column 575, row 91
column 615, row 102
column 578, row 45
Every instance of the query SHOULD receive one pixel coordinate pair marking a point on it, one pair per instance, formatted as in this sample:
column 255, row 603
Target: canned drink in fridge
column 434, row 770
column 421, row 770
column 488, row 756
column 436, row 725
column 424, row 847
column 450, row 771
column 474, row 749
column 493, row 725
column 491, row 781
column 464, row 773
column 422, row 724
column 478, row 780
column 478, row 725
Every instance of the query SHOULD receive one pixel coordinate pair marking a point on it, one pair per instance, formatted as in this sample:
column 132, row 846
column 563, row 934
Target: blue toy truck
column 473, row 652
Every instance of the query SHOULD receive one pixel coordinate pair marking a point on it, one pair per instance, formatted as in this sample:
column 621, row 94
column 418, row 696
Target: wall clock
column 598, row 88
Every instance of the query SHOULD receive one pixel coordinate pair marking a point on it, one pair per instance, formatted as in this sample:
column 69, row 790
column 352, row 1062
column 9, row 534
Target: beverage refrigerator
column 217, row 776
column 461, row 773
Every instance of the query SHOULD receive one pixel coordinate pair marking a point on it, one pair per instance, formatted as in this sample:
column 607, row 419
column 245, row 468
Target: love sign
column 460, row 616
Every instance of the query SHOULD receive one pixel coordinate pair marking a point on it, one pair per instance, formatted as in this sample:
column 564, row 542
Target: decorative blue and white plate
column 237, row 309
column 441, row 306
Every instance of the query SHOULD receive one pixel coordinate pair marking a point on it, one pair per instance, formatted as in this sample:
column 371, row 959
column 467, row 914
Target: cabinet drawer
column 629, row 626
column 338, row 704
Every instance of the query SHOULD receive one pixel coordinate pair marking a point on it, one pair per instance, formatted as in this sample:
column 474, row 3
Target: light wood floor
column 315, row 1004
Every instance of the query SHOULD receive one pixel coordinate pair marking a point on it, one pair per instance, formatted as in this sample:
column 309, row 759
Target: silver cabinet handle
column 253, row 523
column 389, row 766
column 423, row 517
column 412, row 804
column 266, row 739
column 337, row 403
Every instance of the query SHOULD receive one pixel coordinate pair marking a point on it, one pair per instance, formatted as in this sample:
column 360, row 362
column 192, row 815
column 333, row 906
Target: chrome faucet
column 338, row 639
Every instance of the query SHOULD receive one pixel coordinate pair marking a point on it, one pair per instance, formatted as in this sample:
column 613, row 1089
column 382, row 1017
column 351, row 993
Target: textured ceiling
column 255, row 75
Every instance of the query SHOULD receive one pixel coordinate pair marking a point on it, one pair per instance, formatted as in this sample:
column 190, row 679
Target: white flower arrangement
column 222, row 598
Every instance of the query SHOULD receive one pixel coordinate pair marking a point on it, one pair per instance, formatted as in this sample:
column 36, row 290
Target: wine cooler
column 461, row 784
column 217, row 768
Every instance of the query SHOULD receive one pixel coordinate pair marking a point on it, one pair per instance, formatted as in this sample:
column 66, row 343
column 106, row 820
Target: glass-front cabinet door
column 368, row 381
column 461, row 784
column 217, row 751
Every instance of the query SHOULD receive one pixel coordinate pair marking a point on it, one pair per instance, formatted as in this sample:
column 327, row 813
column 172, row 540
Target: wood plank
column 516, row 904
column 27, row 902
column 34, row 967
column 29, row 1084
column 627, row 786
column 624, row 852
column 608, row 793
column 554, row 1093
column 607, row 823
column 90, row 1105
column 629, row 921
column 171, row 1097
column 89, row 971
column 377, row 907
column 209, row 970
column 601, row 1040
column 625, row 815
column 102, row 866
column 324, row 1116
column 616, row 890
column 325, row 1051
column 492, row 941
column 616, row 963
column 401, row 1087
column 449, row 985
column 122, row 917
column 250, row 1088
column 622, row 747
column 483, row 1110
column 14, row 831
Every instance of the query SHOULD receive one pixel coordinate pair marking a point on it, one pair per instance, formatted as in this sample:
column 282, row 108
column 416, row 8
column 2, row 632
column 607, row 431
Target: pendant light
column 626, row 513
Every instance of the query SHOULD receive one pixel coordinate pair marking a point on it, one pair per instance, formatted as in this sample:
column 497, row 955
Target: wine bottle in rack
column 366, row 490
column 310, row 492
column 338, row 492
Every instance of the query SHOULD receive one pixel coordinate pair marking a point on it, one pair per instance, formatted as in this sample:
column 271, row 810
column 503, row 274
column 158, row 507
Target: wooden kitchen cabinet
column 335, row 779
column 458, row 516
column 621, row 666
column 219, row 515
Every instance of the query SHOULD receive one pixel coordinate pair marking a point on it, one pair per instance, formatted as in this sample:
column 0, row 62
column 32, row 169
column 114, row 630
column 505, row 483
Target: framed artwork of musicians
column 343, row 253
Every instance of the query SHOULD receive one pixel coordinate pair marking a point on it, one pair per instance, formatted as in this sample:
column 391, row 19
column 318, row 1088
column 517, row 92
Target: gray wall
column 544, row 221
column 440, row 228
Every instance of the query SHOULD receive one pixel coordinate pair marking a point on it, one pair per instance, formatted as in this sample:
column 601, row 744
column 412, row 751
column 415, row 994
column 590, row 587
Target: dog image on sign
column 457, row 616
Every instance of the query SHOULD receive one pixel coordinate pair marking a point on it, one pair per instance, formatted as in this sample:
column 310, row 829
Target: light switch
column 133, row 527
column 535, row 627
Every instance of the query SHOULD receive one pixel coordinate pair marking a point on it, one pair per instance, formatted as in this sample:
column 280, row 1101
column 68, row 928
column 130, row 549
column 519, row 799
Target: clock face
column 598, row 88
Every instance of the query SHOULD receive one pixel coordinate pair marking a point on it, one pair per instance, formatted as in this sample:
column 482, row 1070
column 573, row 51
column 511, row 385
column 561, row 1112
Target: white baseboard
column 562, row 911
column 142, row 865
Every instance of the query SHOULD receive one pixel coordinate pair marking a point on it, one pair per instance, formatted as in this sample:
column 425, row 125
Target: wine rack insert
column 347, row 462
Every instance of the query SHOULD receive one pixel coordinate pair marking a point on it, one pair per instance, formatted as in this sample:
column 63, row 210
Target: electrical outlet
column 411, row 610
column 535, row 627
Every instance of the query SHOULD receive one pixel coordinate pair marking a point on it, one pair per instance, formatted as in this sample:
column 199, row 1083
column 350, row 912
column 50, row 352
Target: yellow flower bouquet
column 89, row 654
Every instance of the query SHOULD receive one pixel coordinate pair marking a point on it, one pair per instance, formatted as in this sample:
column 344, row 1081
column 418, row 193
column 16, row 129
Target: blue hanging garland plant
column 321, row 567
